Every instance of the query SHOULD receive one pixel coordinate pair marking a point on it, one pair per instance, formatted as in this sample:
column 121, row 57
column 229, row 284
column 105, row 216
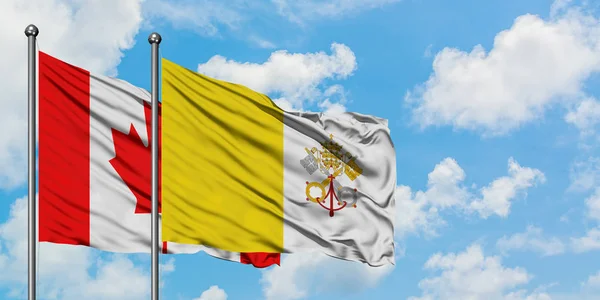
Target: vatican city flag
column 240, row 174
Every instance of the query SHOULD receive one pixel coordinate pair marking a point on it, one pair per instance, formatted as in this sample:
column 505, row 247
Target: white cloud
column 590, row 290
column 420, row 211
column 201, row 16
column 332, row 108
column 215, row 18
column 592, row 204
column 472, row 275
column 593, row 282
column 533, row 65
column 165, row 268
column 285, row 105
column 533, row 240
column 523, row 295
column 415, row 214
column 76, row 31
column 304, row 273
column 334, row 101
column 118, row 278
column 213, row 293
column 444, row 185
column 497, row 196
column 261, row 42
column 589, row 242
column 208, row 17
column 585, row 175
column 295, row 77
column 302, row 11
column 559, row 6
column 168, row 266
column 65, row 271
column 427, row 53
column 585, row 116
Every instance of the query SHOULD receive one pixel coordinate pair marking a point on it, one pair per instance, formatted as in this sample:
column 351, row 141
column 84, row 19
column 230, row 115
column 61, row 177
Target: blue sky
column 492, row 105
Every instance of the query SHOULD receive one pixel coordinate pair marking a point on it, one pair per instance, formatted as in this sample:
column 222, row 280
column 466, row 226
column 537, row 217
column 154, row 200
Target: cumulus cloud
column 65, row 271
column 534, row 64
column 420, row 211
column 585, row 116
column 496, row 197
column 415, row 214
column 76, row 31
column 213, row 293
column 532, row 239
column 473, row 275
column 293, row 78
column 301, row 274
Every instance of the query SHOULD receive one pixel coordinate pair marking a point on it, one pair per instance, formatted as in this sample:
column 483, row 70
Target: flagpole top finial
column 31, row 30
column 154, row 38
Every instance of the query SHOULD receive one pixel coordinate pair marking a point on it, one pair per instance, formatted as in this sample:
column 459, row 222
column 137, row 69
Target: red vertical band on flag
column 64, row 152
column 260, row 259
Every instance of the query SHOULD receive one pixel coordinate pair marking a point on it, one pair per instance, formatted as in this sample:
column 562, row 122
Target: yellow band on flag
column 222, row 164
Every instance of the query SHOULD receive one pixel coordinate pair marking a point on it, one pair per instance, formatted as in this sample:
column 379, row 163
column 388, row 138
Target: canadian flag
column 95, row 164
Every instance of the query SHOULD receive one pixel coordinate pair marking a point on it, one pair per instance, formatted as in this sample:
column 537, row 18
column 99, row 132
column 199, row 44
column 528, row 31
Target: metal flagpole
column 154, row 40
column 31, row 32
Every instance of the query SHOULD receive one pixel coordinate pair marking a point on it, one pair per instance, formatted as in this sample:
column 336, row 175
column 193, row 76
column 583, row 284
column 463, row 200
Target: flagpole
column 154, row 40
column 31, row 32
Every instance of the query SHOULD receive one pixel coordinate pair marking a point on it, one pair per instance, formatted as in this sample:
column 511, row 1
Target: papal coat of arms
column 333, row 162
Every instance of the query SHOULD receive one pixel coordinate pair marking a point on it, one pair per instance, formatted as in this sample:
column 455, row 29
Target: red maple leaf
column 133, row 162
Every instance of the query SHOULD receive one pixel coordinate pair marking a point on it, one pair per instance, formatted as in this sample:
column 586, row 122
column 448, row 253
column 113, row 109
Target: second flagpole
column 154, row 39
